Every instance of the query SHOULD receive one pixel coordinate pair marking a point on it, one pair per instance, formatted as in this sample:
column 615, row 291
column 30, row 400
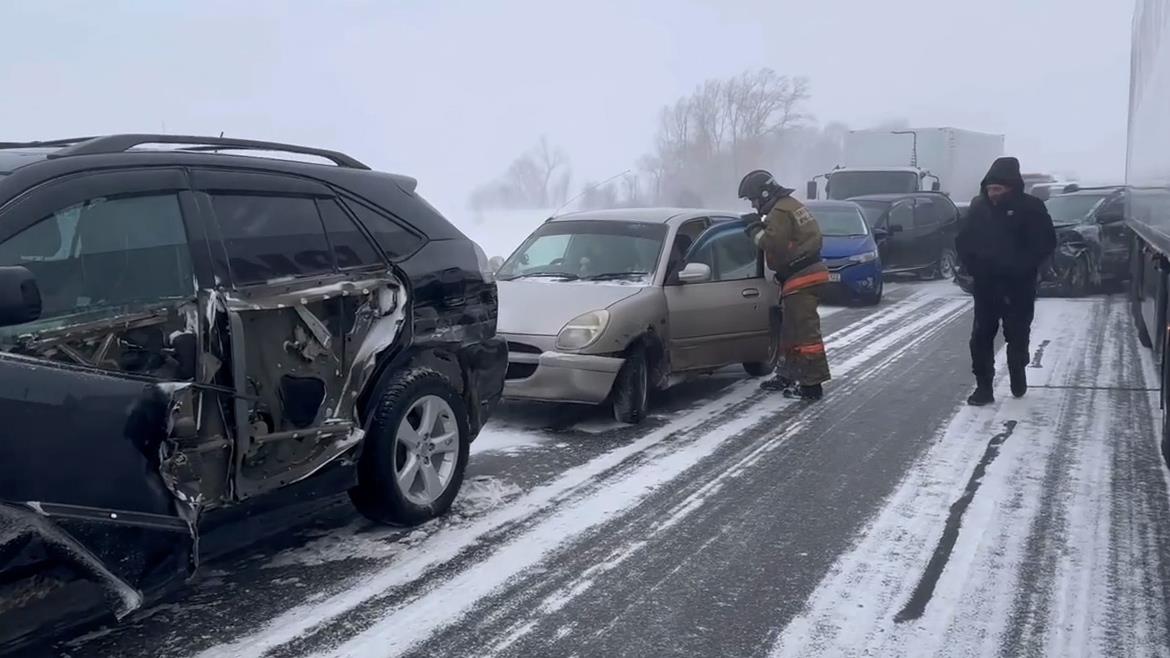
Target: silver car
column 605, row 306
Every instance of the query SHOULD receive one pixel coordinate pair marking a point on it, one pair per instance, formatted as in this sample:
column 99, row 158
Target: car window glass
column 684, row 239
column 350, row 246
column 944, row 211
column 729, row 253
column 271, row 237
column 546, row 250
column 737, row 256
column 902, row 215
column 924, row 213
column 394, row 239
column 106, row 253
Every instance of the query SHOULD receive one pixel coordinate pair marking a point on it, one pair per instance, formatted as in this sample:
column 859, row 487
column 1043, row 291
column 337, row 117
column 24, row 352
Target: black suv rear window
column 271, row 237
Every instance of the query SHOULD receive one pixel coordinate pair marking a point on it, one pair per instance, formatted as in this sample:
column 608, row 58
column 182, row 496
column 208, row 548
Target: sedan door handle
column 750, row 292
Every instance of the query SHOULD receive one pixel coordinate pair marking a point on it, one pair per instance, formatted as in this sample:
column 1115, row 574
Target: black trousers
column 1006, row 301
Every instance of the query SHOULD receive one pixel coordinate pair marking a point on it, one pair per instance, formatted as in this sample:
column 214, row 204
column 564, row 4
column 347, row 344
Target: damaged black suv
column 188, row 330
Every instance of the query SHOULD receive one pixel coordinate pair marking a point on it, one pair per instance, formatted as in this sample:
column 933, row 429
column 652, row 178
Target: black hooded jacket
column 1008, row 240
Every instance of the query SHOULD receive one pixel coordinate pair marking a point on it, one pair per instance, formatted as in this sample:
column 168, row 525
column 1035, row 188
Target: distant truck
column 948, row 160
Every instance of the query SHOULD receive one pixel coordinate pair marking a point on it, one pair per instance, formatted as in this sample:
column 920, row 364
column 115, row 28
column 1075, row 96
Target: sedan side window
column 106, row 253
column 730, row 254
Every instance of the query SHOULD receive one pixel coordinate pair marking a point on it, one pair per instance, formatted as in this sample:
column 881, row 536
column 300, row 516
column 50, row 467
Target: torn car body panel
column 301, row 355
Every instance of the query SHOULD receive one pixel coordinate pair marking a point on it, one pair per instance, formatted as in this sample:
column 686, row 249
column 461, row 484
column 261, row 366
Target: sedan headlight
column 867, row 257
column 582, row 330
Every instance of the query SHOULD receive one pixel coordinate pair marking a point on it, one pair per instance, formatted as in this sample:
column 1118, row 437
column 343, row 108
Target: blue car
column 849, row 251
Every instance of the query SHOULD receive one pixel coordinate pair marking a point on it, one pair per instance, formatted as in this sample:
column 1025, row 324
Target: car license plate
column 834, row 277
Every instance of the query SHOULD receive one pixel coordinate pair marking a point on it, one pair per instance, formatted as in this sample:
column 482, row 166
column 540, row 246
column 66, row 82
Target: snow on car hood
column 543, row 307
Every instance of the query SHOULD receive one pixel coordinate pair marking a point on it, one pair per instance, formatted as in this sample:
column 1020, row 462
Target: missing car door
column 308, row 312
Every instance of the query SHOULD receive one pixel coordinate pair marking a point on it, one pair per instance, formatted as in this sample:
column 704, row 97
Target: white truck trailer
column 949, row 160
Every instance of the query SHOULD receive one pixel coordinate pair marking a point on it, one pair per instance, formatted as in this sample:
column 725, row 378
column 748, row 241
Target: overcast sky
column 450, row 91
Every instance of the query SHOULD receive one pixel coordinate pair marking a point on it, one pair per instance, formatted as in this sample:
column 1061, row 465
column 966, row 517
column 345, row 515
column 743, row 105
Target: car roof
column 830, row 203
column 1095, row 191
column 15, row 158
column 641, row 215
column 121, row 149
column 892, row 196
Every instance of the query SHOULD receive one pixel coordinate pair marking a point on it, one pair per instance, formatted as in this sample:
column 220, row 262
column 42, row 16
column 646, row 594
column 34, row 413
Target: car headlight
column 867, row 257
column 582, row 330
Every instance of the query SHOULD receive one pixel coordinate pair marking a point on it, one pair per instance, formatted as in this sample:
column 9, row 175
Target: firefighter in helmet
column 789, row 236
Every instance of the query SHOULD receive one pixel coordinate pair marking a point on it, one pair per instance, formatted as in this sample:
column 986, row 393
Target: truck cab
column 848, row 182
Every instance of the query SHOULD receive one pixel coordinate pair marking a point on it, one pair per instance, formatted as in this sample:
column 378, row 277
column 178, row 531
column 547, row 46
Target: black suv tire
column 378, row 494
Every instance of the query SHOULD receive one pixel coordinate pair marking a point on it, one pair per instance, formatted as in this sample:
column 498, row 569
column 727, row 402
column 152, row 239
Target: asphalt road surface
column 889, row 519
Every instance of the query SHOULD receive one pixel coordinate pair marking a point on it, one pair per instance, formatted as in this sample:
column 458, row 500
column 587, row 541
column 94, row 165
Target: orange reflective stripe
column 816, row 278
column 812, row 348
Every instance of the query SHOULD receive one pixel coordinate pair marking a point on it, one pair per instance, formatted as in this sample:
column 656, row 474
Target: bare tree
column 706, row 140
column 538, row 178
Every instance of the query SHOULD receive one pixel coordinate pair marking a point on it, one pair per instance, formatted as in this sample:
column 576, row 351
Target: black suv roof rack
column 122, row 143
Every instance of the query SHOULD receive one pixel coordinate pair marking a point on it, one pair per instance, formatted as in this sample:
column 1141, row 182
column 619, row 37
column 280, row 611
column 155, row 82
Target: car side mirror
column 810, row 189
column 695, row 273
column 896, row 228
column 20, row 296
column 935, row 186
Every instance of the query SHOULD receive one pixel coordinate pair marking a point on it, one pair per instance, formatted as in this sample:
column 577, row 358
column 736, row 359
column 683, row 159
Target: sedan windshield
column 587, row 249
column 839, row 221
column 1072, row 208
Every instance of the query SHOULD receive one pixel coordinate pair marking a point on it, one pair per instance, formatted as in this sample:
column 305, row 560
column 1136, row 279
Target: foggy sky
column 450, row 91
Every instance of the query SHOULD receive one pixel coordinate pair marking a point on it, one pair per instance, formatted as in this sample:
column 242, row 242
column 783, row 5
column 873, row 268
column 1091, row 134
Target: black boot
column 777, row 383
column 982, row 395
column 1019, row 377
column 807, row 393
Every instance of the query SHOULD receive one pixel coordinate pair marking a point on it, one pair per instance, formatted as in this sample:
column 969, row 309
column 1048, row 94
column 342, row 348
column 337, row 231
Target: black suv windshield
column 874, row 210
column 1072, row 208
column 587, row 249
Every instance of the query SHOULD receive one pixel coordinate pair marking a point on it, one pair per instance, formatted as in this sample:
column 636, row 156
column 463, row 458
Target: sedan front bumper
column 536, row 372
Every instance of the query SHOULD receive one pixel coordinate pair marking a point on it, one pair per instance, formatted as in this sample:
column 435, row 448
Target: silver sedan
column 605, row 306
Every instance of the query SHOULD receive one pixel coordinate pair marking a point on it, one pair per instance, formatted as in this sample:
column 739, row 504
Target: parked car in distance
column 207, row 333
column 605, row 306
column 915, row 232
column 849, row 251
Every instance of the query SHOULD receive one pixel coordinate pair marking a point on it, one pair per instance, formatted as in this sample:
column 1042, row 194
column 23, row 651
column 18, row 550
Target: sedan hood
column 846, row 246
column 543, row 308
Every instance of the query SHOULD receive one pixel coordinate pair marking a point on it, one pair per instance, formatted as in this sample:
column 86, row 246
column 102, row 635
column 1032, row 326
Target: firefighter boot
column 807, row 393
column 777, row 383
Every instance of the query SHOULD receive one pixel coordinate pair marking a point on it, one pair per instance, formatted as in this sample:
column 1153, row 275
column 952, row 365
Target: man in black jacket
column 1005, row 238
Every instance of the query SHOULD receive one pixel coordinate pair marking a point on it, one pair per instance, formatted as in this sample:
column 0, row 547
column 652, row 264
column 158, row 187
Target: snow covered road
column 887, row 520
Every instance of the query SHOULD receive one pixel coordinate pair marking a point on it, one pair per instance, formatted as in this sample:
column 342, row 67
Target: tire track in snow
column 423, row 611
column 464, row 544
column 592, row 565
column 852, row 611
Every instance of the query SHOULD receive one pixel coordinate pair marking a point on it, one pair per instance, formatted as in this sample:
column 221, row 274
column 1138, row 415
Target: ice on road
column 887, row 520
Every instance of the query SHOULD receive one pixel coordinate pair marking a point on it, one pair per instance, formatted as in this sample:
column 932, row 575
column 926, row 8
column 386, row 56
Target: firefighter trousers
column 802, row 350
